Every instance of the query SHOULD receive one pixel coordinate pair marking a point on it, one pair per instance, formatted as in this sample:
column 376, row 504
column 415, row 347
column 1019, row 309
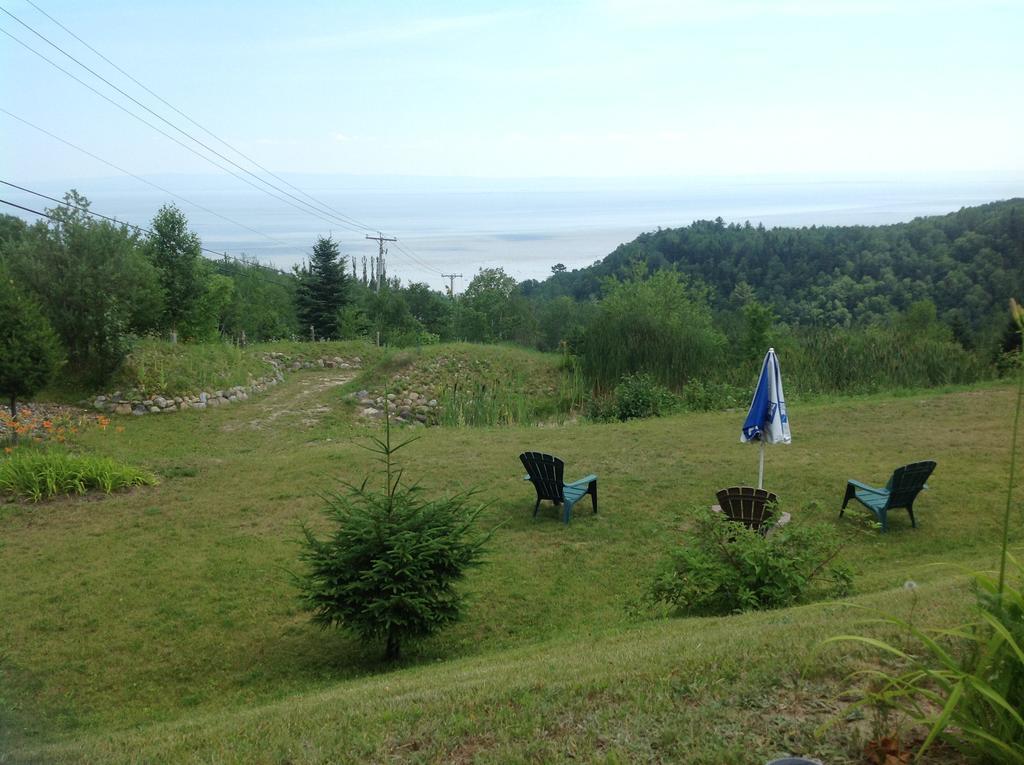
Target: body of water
column 447, row 226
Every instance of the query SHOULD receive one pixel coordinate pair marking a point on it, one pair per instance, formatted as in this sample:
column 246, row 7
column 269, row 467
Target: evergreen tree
column 323, row 287
column 28, row 345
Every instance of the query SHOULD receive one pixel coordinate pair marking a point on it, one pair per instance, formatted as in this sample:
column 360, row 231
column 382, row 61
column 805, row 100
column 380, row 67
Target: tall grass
column 661, row 327
column 156, row 366
column 41, row 474
column 873, row 359
column 483, row 403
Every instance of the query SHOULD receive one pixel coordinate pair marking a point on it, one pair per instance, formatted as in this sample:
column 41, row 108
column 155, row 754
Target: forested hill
column 968, row 263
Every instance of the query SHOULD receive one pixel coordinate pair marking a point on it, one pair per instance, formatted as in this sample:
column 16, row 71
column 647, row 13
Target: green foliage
column 93, row 283
column 871, row 359
column 389, row 568
column 157, row 366
column 661, row 326
column 967, row 263
column 37, row 474
column 635, row 397
column 262, row 305
column 28, row 346
column 322, row 290
column 722, row 567
column 966, row 684
column 176, row 253
column 491, row 310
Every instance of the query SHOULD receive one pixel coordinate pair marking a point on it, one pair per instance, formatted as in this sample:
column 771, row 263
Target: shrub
column 28, row 346
column 389, row 568
column 37, row 474
column 638, row 395
column 722, row 568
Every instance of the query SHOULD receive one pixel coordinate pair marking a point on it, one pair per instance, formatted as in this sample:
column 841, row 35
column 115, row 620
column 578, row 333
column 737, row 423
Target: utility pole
column 451, row 283
column 380, row 239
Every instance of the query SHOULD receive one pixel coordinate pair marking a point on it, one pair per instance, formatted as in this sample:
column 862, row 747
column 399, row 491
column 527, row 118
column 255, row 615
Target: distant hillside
column 968, row 263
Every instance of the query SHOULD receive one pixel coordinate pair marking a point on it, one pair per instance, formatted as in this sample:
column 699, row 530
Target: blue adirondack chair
column 901, row 491
column 546, row 473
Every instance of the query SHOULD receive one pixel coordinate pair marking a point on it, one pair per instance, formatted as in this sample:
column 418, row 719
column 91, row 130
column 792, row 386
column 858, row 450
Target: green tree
column 323, row 289
column 389, row 568
column 28, row 345
column 491, row 309
column 93, row 283
column 661, row 326
column 177, row 253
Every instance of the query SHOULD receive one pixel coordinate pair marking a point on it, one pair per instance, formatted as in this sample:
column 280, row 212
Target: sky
column 639, row 88
column 676, row 108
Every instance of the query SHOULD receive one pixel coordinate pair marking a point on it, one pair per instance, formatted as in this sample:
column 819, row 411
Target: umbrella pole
column 760, row 468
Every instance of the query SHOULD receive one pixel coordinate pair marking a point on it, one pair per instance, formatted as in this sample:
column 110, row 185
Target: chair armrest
column 582, row 481
column 864, row 486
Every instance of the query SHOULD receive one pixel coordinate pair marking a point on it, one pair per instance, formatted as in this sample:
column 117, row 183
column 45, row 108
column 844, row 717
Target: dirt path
column 300, row 396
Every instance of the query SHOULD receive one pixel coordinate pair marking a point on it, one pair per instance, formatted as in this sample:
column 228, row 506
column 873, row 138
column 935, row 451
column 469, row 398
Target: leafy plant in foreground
column 722, row 567
column 389, row 568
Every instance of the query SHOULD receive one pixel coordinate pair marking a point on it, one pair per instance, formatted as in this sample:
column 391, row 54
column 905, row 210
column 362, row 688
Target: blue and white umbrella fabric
column 767, row 420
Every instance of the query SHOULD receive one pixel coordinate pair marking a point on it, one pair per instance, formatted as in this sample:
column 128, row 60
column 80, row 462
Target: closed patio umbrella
column 767, row 421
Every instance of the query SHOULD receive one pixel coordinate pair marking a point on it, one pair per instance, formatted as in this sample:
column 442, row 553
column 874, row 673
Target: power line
column 175, row 140
column 143, row 180
column 163, row 119
column 143, row 229
column 201, row 127
column 317, row 210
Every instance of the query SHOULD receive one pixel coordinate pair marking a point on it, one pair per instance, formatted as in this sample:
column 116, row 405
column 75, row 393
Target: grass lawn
column 162, row 624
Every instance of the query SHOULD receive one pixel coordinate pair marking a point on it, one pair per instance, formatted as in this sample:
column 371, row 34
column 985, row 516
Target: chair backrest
column 546, row 473
column 751, row 507
column 907, row 481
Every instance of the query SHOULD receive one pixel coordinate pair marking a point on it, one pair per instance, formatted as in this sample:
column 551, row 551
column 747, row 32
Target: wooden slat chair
column 901, row 491
column 546, row 474
column 754, row 508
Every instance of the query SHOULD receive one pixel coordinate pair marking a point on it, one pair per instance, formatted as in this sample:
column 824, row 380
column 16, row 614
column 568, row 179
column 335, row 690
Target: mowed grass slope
column 162, row 624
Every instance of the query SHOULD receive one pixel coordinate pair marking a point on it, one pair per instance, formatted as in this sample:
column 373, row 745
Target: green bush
column 635, row 397
column 722, row 568
column 389, row 568
column 41, row 474
column 701, row 396
column 639, row 395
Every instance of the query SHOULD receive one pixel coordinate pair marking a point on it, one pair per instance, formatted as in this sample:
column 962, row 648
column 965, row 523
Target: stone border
column 135, row 403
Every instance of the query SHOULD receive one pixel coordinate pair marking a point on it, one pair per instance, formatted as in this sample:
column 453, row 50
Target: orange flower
column 47, row 424
column 119, row 428
column 8, row 450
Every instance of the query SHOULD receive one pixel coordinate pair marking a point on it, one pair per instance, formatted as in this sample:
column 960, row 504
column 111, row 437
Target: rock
column 139, row 410
column 233, row 397
column 178, row 400
column 371, row 412
column 123, row 409
column 203, row 397
column 213, row 402
column 404, row 411
column 199, row 405
column 362, row 395
column 421, row 418
column 391, row 397
column 159, row 401
column 432, row 402
column 148, row 403
column 155, row 410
